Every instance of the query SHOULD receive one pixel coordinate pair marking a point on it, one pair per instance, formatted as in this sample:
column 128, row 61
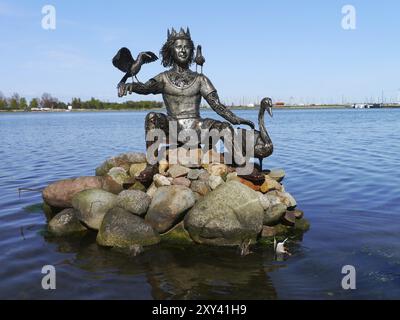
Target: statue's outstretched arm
column 150, row 87
column 213, row 100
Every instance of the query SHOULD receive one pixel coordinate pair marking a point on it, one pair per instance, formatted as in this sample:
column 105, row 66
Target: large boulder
column 229, row 215
column 289, row 218
column 266, row 204
column 177, row 170
column 274, row 214
column 214, row 181
column 92, row 205
column 270, row 184
column 134, row 201
column 119, row 175
column 203, row 175
column 133, row 157
column 277, row 174
column 194, row 174
column 232, row 176
column 200, row 186
column 151, row 190
column 299, row 228
column 282, row 197
column 182, row 181
column 137, row 168
column 122, row 160
column 65, row 223
column 60, row 193
column 217, row 169
column 168, row 205
column 111, row 185
column 161, row 181
column 122, row 229
column 163, row 166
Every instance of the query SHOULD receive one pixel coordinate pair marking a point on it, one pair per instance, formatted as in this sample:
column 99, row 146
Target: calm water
column 342, row 167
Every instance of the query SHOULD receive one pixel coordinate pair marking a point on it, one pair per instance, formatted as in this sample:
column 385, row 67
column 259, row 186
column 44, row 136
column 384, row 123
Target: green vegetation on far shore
column 50, row 103
column 47, row 102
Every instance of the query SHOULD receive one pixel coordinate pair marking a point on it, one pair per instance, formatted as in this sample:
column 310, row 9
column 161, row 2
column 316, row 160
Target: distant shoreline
column 296, row 107
column 80, row 110
column 310, row 107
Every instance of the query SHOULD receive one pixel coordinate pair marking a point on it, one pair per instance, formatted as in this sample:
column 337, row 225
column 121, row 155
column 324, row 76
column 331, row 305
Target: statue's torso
column 182, row 92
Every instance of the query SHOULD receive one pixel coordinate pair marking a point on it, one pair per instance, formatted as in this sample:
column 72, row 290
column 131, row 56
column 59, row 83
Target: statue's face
column 182, row 51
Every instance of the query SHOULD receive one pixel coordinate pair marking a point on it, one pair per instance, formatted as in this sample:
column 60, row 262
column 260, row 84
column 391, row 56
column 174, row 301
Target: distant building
column 279, row 103
column 366, row 105
column 40, row 109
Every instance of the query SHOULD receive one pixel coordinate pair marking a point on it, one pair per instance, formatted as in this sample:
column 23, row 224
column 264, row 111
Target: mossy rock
column 66, row 223
column 302, row 225
column 177, row 235
column 137, row 186
column 50, row 211
column 281, row 232
column 267, row 242
column 227, row 216
column 123, row 229
column 92, row 205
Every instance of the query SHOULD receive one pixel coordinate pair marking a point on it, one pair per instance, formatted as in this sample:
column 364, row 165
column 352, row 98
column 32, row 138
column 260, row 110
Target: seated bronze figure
column 182, row 90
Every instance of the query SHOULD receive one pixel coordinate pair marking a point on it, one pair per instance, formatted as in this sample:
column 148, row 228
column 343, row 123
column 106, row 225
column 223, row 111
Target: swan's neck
column 261, row 123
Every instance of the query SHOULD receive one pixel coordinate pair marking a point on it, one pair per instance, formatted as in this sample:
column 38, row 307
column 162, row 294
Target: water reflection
column 179, row 272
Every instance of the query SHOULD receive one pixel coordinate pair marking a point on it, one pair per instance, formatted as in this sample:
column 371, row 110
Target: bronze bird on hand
column 124, row 61
column 199, row 59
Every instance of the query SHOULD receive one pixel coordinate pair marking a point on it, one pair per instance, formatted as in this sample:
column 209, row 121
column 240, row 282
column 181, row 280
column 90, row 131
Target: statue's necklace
column 181, row 79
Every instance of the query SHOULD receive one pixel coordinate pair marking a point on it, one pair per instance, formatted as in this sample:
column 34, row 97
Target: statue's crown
column 182, row 34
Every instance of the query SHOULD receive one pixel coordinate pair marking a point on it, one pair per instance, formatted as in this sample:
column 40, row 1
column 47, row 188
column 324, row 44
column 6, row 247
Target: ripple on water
column 341, row 166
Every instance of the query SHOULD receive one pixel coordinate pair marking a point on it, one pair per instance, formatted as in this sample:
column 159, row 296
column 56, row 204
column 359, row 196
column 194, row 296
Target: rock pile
column 130, row 203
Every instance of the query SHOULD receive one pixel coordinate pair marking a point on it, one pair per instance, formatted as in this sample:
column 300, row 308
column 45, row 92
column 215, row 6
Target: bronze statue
column 182, row 91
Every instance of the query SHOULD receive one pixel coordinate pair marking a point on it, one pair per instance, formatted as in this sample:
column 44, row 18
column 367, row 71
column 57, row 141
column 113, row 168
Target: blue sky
column 291, row 50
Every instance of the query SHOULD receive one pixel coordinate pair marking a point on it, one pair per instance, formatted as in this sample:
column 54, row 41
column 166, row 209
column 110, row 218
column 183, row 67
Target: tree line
column 47, row 101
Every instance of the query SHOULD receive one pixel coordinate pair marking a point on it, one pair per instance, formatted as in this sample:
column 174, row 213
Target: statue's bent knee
column 155, row 120
column 222, row 125
column 226, row 125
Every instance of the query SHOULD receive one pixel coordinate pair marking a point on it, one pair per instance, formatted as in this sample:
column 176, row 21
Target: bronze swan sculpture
column 263, row 146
